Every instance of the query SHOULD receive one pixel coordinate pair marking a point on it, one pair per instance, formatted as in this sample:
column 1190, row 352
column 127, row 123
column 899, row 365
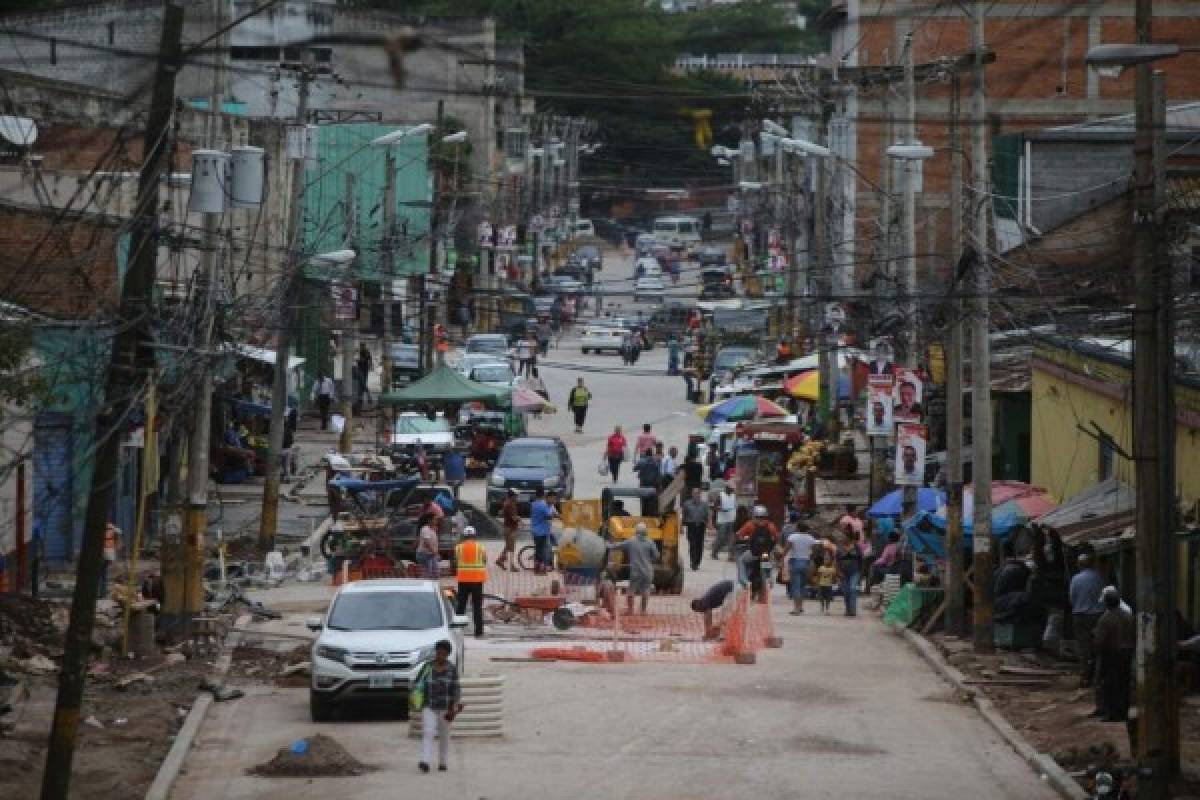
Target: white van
column 677, row 231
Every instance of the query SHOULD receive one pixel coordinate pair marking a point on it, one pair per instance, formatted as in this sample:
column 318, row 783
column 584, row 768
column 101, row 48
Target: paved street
column 845, row 709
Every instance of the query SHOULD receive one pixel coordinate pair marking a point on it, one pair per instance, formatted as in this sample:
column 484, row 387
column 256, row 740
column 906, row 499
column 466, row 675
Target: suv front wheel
column 319, row 708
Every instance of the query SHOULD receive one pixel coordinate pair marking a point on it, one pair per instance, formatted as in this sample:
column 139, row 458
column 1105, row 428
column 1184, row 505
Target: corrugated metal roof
column 1180, row 118
column 1101, row 500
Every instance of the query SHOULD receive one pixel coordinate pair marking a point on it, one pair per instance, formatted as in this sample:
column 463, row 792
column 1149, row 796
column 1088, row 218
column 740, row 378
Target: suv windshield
column 492, row 374
column 487, row 344
column 529, row 458
column 421, row 425
column 732, row 359
column 386, row 611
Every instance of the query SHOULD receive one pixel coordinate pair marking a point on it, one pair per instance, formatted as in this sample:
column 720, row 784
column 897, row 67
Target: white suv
column 600, row 338
column 374, row 638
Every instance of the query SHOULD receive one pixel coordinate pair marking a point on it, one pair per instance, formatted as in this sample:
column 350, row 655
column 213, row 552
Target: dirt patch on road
column 316, row 756
column 828, row 745
column 256, row 665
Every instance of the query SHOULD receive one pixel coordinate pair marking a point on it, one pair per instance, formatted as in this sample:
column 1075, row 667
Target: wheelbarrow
column 532, row 609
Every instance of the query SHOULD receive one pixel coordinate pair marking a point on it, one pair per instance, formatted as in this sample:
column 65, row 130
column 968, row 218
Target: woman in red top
column 614, row 451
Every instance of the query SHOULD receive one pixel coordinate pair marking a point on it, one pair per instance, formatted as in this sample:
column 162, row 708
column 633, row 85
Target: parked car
column 711, row 255
column 591, row 257
column 406, row 364
column 729, row 359
column 411, row 428
column 528, row 464
column 497, row 374
column 598, row 338
column 374, row 639
column 677, row 231
column 561, row 284
column 649, row 288
column 493, row 343
column 470, row 361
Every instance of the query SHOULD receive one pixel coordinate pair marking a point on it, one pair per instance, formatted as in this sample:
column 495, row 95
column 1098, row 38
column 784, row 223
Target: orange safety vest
column 471, row 561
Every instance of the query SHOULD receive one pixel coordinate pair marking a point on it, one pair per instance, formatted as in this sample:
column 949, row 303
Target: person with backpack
column 436, row 694
column 755, row 542
column 647, row 470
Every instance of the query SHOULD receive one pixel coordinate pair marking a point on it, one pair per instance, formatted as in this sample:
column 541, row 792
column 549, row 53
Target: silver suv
column 374, row 638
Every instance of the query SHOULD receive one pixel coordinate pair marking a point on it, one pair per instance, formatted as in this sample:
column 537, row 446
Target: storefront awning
column 260, row 354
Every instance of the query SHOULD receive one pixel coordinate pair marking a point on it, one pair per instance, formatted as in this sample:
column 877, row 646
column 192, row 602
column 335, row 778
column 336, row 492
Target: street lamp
column 911, row 155
column 455, row 138
column 1120, row 56
column 772, row 127
column 396, row 135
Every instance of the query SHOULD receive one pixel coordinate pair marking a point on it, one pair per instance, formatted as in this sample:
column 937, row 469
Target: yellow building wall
column 1065, row 460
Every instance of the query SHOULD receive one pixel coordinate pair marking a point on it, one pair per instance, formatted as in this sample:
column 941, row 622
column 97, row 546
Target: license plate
column 379, row 682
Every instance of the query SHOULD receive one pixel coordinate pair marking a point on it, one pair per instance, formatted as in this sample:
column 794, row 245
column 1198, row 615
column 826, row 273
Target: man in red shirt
column 614, row 451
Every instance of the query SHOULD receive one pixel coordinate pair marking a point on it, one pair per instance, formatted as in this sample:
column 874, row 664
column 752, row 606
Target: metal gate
column 53, row 487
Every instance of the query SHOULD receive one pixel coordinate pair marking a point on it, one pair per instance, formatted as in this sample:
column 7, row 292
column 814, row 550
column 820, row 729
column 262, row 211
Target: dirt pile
column 259, row 665
column 31, row 627
column 316, row 756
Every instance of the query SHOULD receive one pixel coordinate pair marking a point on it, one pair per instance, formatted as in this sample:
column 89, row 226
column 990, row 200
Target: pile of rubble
column 31, row 634
column 316, row 756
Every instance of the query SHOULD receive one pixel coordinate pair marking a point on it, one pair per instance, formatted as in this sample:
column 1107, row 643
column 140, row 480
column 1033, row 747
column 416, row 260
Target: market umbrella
column 807, row 385
column 1013, row 499
column 743, row 407
column 524, row 399
column 892, row 503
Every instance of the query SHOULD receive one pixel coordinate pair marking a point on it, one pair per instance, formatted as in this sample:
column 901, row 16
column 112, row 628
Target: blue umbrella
column 892, row 503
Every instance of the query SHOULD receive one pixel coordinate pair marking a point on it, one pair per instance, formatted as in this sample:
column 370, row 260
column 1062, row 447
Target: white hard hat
column 469, row 530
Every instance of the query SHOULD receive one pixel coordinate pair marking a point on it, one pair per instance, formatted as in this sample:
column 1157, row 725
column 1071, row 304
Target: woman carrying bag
column 435, row 694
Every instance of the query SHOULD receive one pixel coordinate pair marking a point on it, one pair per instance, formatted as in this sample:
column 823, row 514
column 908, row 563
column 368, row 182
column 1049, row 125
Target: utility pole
column 1157, row 750
column 389, row 279
column 290, row 279
column 981, row 351
column 183, row 564
column 909, row 209
column 349, row 338
column 827, row 374
column 955, row 605
column 131, row 359
column 428, row 310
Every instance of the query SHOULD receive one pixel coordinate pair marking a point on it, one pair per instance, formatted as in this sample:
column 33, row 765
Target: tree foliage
column 611, row 60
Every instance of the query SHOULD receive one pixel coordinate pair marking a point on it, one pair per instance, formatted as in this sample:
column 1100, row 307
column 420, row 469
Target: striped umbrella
column 743, row 407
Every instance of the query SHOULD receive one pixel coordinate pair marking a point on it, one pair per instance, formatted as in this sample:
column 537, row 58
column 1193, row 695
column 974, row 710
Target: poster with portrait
column 881, row 358
column 878, row 413
column 908, row 395
column 910, row 454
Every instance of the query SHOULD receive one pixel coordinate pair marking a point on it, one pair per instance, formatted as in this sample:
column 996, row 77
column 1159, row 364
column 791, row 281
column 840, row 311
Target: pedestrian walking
column 646, row 440
column 1113, row 640
column 437, row 695
column 669, row 464
column 526, row 355
column 510, row 519
column 541, row 515
column 797, row 557
column 366, row 363
column 850, row 561
column 693, row 472
column 647, row 471
column 673, row 350
column 543, row 337
column 614, row 451
column 627, row 348
column 640, row 554
column 1086, row 607
column 578, row 402
column 825, row 573
column 696, row 514
column 726, row 516
column 322, row 393
column 112, row 536
column 427, row 546
column 454, row 470
column 470, row 559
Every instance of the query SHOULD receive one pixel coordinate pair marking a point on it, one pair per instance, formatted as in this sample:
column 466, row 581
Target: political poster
column 911, row 443
column 908, row 395
column 879, row 405
column 508, row 236
column 881, row 359
column 485, row 234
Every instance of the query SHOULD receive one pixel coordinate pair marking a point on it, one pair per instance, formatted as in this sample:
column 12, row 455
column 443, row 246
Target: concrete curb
column 172, row 765
column 1043, row 764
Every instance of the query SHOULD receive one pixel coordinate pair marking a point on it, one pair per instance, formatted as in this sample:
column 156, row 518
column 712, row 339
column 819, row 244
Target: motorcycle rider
column 756, row 542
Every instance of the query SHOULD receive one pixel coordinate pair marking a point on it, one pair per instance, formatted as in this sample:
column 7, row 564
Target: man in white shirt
column 669, row 465
column 322, row 392
column 726, row 515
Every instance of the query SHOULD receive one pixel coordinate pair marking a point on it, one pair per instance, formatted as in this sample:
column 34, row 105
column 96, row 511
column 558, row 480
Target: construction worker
column 471, row 572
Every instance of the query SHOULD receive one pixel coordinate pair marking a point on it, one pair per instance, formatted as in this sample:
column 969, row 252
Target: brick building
column 1038, row 80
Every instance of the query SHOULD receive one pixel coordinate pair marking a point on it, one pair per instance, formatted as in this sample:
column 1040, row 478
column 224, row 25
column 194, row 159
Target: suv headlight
column 550, row 483
column 332, row 653
column 496, row 479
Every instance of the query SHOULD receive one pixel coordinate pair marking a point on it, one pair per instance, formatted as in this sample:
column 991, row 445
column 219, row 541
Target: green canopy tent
column 444, row 385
